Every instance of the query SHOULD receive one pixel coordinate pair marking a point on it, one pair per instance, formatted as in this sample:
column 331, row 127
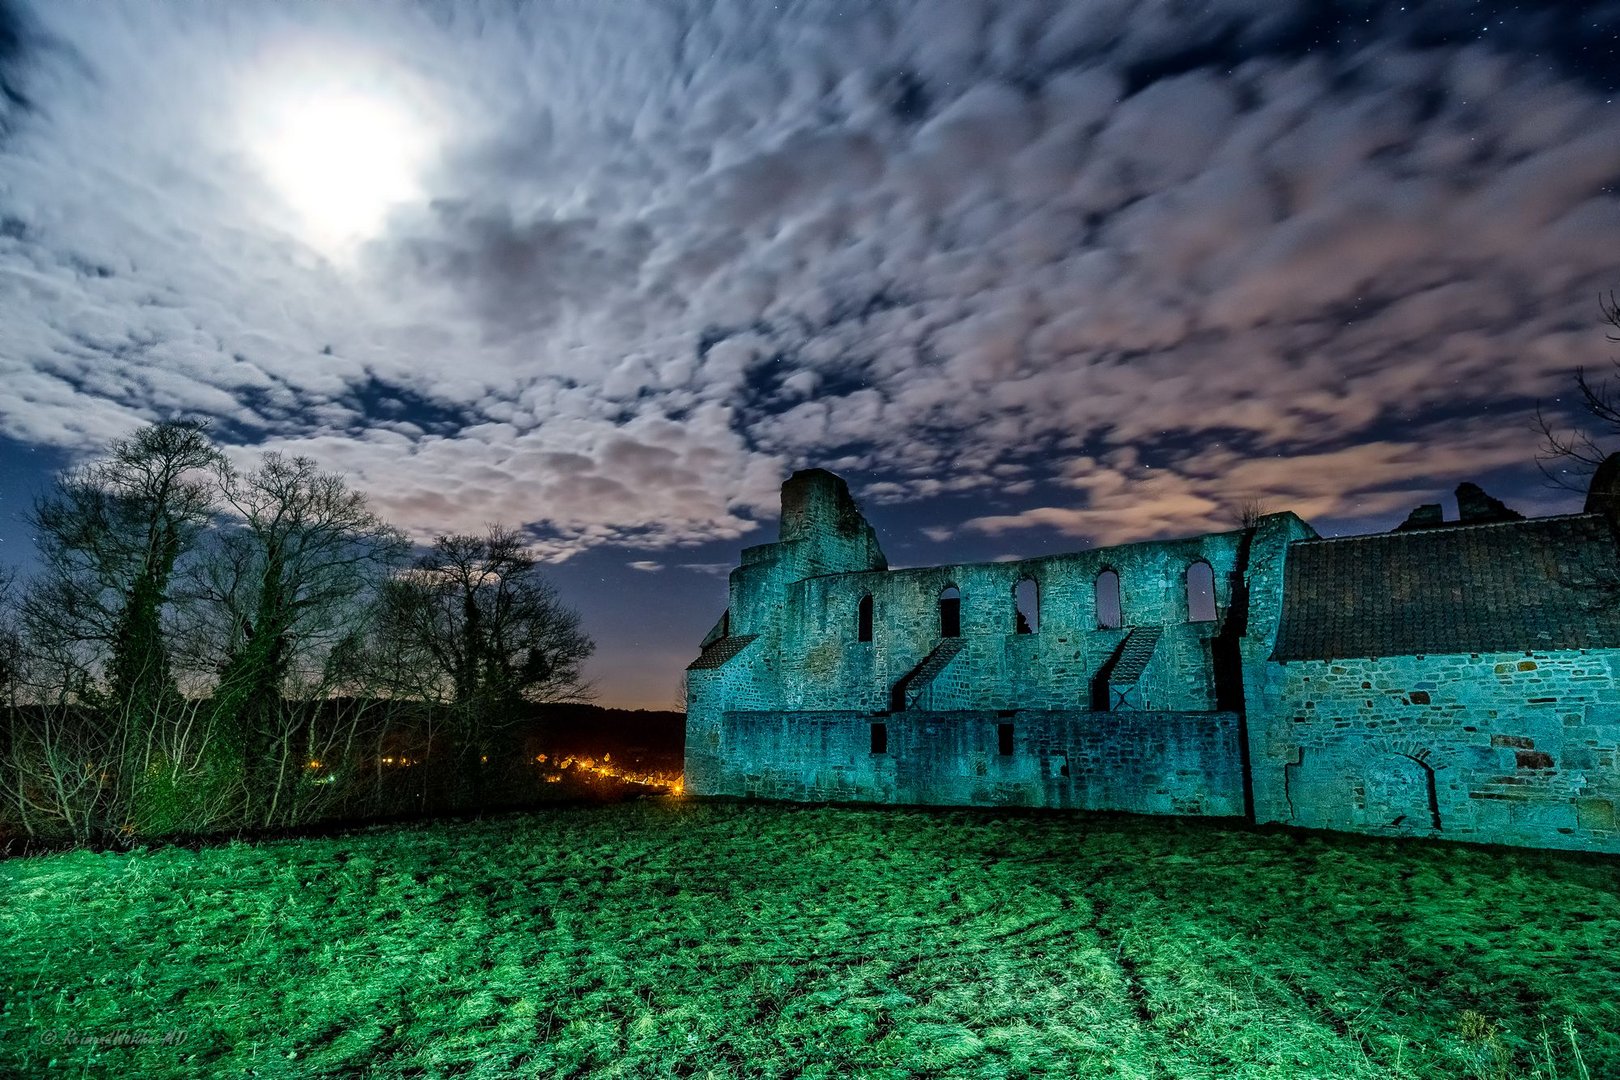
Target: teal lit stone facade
column 1143, row 762
column 1512, row 748
column 792, row 698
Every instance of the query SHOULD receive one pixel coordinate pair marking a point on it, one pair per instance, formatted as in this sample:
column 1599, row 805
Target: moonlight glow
column 342, row 160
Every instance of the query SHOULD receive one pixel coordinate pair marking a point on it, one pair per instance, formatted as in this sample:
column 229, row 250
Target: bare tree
column 111, row 533
column 494, row 627
column 289, row 574
column 682, row 695
column 1249, row 511
column 10, row 678
column 10, row 638
column 77, row 763
column 273, row 598
column 485, row 631
column 1568, row 458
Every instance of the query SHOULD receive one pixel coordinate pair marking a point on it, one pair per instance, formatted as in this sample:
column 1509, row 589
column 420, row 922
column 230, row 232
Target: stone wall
column 1515, row 748
column 790, row 714
column 1506, row 748
column 1146, row 763
column 824, row 666
column 744, row 682
column 1264, row 586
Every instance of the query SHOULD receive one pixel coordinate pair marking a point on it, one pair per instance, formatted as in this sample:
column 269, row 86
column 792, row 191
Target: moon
column 341, row 159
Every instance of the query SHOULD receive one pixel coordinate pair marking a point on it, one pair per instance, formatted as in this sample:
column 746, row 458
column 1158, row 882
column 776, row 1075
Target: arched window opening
column 1200, row 592
column 1027, row 603
column 1110, row 615
column 863, row 619
column 950, row 612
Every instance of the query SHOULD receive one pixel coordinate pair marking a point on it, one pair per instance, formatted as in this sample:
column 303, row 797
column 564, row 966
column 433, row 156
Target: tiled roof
column 718, row 652
column 1134, row 653
column 1505, row 587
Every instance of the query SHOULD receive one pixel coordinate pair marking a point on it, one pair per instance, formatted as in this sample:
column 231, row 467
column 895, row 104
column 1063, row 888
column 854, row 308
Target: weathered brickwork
column 1518, row 748
column 1149, row 763
column 834, row 678
column 824, row 667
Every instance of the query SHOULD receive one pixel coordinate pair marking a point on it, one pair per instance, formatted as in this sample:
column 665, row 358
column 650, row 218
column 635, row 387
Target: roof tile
column 716, row 653
column 1502, row 587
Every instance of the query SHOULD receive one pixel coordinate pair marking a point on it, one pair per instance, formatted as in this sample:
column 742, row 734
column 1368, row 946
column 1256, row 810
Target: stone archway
column 1398, row 789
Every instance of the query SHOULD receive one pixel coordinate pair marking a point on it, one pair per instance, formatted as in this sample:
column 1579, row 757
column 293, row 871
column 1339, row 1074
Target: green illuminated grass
column 676, row 938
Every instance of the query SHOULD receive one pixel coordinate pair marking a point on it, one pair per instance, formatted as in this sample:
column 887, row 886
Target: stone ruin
column 1449, row 678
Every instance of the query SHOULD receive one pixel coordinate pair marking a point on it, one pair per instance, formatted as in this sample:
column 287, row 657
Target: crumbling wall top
column 818, row 508
column 815, row 501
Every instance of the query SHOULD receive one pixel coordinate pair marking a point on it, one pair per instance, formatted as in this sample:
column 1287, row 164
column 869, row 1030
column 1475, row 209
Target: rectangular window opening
column 880, row 738
column 1004, row 740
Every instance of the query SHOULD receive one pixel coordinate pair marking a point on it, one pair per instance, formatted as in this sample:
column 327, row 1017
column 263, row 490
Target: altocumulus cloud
column 1127, row 264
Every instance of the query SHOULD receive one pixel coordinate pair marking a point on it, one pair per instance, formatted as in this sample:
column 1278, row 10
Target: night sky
column 1032, row 276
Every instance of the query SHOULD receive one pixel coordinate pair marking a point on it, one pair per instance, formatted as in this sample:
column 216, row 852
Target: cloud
column 14, row 34
column 645, row 565
column 667, row 253
column 710, row 569
column 1121, row 498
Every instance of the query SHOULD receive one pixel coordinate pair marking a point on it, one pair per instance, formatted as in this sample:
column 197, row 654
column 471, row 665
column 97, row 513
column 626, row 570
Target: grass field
column 676, row 938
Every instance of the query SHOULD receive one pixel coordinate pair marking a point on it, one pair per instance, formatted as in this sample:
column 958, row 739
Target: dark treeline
column 655, row 736
column 208, row 649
